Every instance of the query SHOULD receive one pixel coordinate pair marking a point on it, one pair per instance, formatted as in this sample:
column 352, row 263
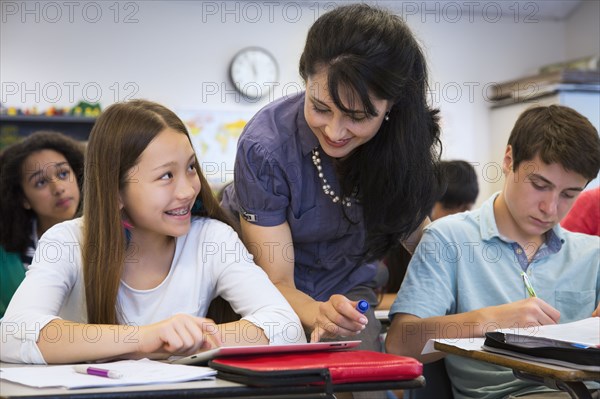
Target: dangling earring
column 387, row 116
column 127, row 227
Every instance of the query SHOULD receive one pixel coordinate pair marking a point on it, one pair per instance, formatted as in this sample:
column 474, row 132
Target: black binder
column 543, row 348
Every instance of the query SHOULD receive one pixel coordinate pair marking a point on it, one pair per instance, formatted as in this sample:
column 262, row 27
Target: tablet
column 203, row 357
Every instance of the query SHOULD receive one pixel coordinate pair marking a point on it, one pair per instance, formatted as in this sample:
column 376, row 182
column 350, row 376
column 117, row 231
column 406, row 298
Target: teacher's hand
column 337, row 317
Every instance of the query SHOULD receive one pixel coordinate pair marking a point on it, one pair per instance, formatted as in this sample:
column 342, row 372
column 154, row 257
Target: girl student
column 134, row 277
column 336, row 176
column 41, row 179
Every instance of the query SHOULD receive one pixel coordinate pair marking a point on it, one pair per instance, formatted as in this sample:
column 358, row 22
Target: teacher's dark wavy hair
column 369, row 51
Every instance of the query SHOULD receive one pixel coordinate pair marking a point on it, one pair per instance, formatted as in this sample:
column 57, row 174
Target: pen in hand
column 362, row 306
column 528, row 285
column 84, row 369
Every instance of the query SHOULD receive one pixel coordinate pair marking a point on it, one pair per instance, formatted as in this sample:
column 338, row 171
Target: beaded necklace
column 316, row 159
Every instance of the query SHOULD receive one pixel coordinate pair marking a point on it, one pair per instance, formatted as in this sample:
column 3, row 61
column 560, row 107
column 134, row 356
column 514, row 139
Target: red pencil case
column 337, row 367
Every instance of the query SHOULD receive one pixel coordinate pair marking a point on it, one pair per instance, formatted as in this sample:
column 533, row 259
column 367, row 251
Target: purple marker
column 362, row 306
column 83, row 369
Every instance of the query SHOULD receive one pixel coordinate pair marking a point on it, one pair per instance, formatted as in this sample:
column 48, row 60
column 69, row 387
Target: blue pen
column 583, row 346
column 362, row 306
column 580, row 346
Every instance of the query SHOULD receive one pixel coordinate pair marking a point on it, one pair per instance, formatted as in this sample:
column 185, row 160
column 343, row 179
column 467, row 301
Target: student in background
column 467, row 270
column 584, row 217
column 141, row 267
column 328, row 180
column 461, row 189
column 40, row 183
column 460, row 195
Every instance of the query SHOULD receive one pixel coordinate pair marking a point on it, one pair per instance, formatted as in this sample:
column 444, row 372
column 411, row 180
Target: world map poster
column 214, row 136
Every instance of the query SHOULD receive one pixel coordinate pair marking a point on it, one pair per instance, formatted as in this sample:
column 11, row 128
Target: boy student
column 467, row 270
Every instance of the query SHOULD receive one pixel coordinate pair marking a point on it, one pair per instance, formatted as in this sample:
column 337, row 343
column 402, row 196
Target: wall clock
column 253, row 72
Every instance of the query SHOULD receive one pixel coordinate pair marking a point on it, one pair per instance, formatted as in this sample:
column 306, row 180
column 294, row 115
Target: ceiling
column 558, row 9
column 542, row 9
column 532, row 10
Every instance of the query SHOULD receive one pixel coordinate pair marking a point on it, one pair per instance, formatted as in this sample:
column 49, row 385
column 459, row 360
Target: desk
column 555, row 377
column 197, row 389
column 383, row 316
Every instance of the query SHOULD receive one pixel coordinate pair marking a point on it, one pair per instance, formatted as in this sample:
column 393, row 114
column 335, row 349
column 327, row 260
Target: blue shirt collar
column 487, row 225
column 555, row 238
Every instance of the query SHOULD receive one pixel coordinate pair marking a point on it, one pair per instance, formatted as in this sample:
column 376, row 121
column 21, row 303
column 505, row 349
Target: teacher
column 329, row 180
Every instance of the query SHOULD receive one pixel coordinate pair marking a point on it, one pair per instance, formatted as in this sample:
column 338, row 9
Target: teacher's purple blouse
column 276, row 181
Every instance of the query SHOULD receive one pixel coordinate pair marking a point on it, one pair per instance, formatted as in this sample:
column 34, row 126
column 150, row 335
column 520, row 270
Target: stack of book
column 581, row 74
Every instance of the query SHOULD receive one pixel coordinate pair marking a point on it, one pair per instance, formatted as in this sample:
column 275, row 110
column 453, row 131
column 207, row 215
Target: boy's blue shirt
column 463, row 263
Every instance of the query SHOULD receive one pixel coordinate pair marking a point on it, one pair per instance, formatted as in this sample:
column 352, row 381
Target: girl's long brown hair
column 118, row 138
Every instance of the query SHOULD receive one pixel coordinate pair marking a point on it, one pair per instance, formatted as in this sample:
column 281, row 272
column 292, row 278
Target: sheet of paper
column 135, row 372
column 586, row 331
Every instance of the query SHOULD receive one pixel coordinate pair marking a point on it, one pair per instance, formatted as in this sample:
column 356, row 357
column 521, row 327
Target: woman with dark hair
column 327, row 181
column 40, row 183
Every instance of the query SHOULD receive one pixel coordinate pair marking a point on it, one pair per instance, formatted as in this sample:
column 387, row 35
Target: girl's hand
column 338, row 317
column 181, row 334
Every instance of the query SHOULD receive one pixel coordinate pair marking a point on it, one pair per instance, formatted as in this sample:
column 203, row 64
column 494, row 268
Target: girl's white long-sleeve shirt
column 209, row 261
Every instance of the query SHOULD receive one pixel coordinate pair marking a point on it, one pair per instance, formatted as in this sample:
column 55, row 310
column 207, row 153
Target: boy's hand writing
column 523, row 313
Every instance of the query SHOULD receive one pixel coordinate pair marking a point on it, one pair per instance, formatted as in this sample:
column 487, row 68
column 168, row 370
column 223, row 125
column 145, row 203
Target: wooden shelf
column 78, row 127
column 44, row 118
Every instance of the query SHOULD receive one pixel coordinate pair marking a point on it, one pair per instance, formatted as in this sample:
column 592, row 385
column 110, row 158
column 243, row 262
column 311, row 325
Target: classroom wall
column 177, row 53
column 583, row 30
column 466, row 59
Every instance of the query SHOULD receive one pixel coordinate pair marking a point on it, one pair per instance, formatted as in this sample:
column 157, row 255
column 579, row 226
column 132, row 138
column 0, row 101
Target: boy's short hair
column 461, row 184
column 558, row 134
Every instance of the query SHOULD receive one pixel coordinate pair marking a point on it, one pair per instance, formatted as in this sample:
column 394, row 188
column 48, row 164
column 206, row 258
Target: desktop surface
column 215, row 388
column 537, row 368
